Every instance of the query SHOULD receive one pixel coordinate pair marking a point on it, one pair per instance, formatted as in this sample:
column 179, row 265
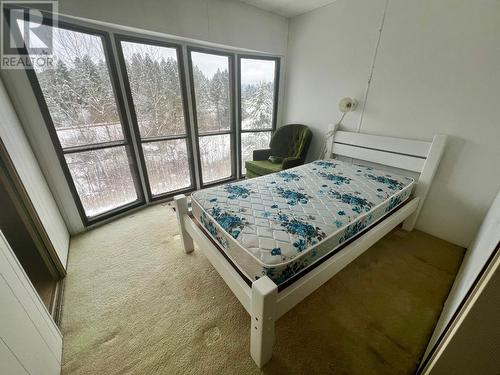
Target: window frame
column 118, row 38
column 272, row 129
column 126, row 142
column 131, row 142
column 232, row 129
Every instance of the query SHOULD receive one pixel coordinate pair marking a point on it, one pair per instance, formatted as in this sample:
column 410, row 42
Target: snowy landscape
column 81, row 102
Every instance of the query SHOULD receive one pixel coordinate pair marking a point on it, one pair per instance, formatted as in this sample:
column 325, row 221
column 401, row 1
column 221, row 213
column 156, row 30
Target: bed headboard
column 422, row 157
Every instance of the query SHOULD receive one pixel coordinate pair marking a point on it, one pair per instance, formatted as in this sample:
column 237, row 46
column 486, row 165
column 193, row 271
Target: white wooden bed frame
column 262, row 300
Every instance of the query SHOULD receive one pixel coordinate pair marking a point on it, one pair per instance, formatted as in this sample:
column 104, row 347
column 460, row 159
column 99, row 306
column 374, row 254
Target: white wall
column 30, row 342
column 27, row 167
column 436, row 71
column 222, row 22
column 225, row 22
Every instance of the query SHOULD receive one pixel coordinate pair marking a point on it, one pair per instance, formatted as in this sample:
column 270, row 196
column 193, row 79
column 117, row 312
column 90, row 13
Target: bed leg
column 409, row 223
column 181, row 208
column 264, row 298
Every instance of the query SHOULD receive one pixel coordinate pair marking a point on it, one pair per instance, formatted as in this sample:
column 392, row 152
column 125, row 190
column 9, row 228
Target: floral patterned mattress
column 279, row 224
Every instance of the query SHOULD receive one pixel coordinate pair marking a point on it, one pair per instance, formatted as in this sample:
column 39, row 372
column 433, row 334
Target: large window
column 77, row 95
column 212, row 100
column 154, row 83
column 125, row 130
column 258, row 98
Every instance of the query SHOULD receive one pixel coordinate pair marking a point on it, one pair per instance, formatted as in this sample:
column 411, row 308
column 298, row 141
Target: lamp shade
column 347, row 105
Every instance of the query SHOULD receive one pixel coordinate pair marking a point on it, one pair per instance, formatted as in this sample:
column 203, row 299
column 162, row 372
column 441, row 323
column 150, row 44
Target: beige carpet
column 134, row 303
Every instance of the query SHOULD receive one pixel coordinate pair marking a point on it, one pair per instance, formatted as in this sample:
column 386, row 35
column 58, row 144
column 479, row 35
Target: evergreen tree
column 257, row 103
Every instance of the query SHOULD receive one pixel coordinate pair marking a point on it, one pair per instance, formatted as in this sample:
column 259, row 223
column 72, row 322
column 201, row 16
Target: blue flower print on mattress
column 281, row 223
column 335, row 178
column 386, row 180
column 325, row 164
column 396, row 201
column 307, row 234
column 280, row 277
column 212, row 229
column 236, row 191
column 229, row 222
column 353, row 230
column 276, row 251
column 358, row 204
column 289, row 176
column 292, row 197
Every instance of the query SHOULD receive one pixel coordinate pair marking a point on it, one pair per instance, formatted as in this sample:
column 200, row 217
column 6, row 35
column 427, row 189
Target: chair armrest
column 292, row 162
column 262, row 154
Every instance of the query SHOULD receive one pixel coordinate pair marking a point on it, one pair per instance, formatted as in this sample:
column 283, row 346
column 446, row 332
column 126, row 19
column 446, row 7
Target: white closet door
column 30, row 342
column 34, row 182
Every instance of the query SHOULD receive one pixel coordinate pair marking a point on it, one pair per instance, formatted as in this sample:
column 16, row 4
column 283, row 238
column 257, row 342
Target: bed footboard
column 262, row 300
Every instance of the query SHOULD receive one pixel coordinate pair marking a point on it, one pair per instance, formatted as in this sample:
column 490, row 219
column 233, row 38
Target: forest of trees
column 80, row 99
column 156, row 91
column 81, row 102
column 257, row 101
column 154, row 80
column 213, row 104
column 257, row 106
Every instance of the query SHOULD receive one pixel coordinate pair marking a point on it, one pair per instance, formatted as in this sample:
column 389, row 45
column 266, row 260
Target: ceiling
column 288, row 8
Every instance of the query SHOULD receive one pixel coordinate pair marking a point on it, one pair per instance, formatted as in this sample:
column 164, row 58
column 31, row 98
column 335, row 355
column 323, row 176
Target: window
column 81, row 107
column 212, row 99
column 154, row 83
column 117, row 154
column 258, row 102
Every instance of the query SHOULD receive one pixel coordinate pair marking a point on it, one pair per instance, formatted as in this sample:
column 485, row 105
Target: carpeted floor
column 134, row 303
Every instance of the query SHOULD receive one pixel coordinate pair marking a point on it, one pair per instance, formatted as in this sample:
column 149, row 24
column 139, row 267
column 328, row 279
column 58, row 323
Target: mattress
column 282, row 223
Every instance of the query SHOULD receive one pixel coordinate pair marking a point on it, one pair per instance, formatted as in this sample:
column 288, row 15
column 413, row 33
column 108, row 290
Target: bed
column 277, row 238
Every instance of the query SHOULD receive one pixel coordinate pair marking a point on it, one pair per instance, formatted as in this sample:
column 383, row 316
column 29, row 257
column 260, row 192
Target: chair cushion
column 249, row 174
column 275, row 159
column 262, row 167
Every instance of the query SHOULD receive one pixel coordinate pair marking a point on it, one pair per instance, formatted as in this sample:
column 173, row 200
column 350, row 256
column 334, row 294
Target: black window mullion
column 132, row 141
column 163, row 138
column 95, row 146
column 232, row 129
column 256, row 130
column 220, row 132
column 131, row 107
column 275, row 100
column 135, row 125
column 60, row 151
column 120, row 103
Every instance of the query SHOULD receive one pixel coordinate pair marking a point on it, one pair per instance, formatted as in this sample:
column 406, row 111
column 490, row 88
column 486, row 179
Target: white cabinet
column 30, row 342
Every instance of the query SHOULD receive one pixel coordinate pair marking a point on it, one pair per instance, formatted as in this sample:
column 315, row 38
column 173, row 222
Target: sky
column 208, row 63
column 255, row 71
column 156, row 52
column 252, row 71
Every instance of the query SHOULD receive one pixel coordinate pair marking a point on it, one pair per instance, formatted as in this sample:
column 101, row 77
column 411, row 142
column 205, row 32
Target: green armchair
column 287, row 149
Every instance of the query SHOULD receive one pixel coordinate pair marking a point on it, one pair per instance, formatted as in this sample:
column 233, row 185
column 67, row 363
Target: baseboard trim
column 56, row 304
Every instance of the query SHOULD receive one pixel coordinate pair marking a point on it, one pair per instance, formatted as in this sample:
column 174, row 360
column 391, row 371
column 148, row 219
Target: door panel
column 27, row 329
column 26, row 165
